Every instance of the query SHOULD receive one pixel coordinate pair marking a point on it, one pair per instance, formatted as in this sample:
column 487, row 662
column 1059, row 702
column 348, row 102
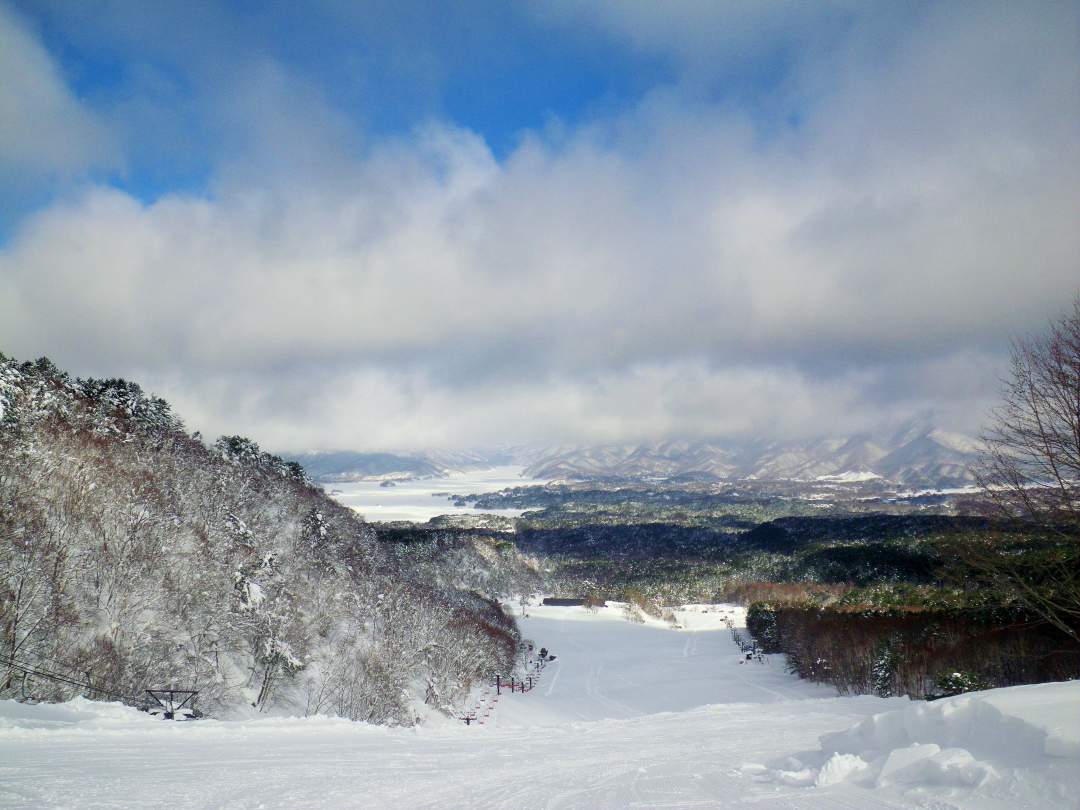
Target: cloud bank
column 856, row 249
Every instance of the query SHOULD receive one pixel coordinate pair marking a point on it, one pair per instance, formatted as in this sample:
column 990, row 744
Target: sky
column 399, row 225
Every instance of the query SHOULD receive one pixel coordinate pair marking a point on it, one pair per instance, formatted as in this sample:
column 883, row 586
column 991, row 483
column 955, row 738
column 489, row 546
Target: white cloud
column 708, row 36
column 668, row 271
column 382, row 408
column 44, row 128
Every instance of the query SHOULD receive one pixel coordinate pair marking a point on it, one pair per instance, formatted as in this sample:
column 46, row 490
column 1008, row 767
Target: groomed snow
column 617, row 720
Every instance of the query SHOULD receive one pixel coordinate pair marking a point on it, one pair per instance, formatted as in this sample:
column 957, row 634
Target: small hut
column 559, row 602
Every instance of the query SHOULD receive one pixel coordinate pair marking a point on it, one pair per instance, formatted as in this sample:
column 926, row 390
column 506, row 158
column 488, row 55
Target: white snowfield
column 628, row 715
column 421, row 499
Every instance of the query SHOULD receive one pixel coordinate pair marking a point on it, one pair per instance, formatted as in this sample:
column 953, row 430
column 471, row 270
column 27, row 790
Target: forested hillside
column 133, row 555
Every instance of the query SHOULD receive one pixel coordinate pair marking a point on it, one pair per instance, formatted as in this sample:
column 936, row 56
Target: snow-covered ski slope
column 609, row 668
column 628, row 715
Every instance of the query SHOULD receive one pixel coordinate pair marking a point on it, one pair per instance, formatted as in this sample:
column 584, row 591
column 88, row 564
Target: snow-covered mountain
column 915, row 456
column 931, row 458
column 918, row 455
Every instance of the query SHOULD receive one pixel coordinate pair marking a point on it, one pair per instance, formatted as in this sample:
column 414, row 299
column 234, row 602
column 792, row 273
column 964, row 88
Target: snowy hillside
column 134, row 555
column 617, row 720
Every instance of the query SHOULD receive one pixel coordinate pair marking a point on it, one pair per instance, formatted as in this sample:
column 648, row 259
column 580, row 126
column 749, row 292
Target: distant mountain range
column 919, row 455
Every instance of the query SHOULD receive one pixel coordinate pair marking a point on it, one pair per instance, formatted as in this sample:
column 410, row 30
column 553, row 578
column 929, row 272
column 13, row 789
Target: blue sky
column 391, row 225
column 158, row 73
column 385, row 67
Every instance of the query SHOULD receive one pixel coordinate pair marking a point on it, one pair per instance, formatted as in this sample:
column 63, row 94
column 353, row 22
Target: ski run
column 627, row 715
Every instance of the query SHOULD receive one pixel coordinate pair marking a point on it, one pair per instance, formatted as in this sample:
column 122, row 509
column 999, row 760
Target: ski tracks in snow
column 554, row 679
column 593, row 690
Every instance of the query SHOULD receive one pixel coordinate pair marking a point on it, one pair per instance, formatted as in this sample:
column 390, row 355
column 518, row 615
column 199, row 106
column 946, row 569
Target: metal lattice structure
column 172, row 702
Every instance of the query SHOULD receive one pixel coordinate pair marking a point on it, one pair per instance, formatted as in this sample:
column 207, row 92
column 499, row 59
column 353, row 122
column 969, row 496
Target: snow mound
column 963, row 742
column 1019, row 723
column 80, row 713
column 841, row 768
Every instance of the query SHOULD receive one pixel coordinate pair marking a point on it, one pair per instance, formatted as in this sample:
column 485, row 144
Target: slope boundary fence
column 486, row 702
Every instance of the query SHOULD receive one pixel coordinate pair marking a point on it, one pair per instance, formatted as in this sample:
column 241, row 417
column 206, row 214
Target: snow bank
column 1026, row 739
column 82, row 716
column 1020, row 723
column 78, row 714
column 1053, row 708
column 1002, row 748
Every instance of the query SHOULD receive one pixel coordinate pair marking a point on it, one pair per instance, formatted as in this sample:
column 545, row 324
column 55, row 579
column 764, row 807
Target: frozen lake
column 421, row 500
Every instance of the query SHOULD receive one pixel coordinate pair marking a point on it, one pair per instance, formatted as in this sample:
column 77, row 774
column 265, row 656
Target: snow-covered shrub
column 761, row 622
column 649, row 606
column 632, row 613
column 884, row 667
column 956, row 683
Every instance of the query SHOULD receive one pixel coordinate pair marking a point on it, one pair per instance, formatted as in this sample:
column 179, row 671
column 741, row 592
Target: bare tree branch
column 1031, row 473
